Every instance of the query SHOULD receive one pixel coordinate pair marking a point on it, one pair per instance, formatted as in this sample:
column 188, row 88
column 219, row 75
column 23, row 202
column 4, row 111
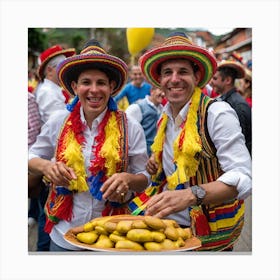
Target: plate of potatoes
column 127, row 233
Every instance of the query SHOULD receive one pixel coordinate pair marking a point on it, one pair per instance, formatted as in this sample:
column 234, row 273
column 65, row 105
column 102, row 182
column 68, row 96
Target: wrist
column 199, row 194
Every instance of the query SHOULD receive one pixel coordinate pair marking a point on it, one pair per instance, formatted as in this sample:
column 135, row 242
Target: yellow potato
column 139, row 224
column 180, row 242
column 104, row 242
column 189, row 232
column 140, row 235
column 152, row 246
column 158, row 236
column 154, row 223
column 88, row 227
column 171, row 233
column 182, row 233
column 123, row 226
column 101, row 230
column 115, row 238
column 87, row 237
column 110, row 226
column 168, row 244
column 170, row 223
column 128, row 244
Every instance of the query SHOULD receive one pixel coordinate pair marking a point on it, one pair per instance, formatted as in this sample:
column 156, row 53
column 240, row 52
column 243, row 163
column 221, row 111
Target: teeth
column 94, row 99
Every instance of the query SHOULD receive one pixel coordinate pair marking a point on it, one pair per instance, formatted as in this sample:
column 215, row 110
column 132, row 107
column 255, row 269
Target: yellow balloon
column 138, row 39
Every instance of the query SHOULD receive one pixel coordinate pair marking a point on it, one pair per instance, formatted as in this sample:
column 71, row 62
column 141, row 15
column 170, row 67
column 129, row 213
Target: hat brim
column 69, row 69
column 66, row 52
column 238, row 68
column 151, row 60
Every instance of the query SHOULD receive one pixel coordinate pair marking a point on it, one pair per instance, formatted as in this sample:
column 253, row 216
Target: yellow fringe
column 184, row 158
column 111, row 147
column 74, row 159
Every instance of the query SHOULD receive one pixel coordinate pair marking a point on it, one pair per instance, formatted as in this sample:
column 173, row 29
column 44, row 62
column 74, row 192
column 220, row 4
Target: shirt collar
column 96, row 121
column 181, row 117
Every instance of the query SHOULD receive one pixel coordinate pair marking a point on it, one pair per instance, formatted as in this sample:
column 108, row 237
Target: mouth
column 94, row 100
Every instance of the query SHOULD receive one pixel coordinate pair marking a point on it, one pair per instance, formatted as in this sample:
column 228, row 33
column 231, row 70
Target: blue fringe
column 95, row 184
column 70, row 106
column 112, row 105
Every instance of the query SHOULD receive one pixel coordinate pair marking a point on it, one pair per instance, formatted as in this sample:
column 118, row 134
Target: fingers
column 61, row 174
column 115, row 188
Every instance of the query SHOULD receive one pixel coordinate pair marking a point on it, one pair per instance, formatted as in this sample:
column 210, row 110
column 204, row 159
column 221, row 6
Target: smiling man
column 200, row 167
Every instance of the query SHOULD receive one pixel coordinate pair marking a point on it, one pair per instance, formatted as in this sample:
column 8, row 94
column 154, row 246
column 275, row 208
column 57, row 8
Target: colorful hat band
column 70, row 68
column 150, row 63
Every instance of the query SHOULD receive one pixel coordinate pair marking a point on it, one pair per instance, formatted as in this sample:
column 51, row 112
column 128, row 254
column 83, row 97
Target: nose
column 174, row 77
column 93, row 87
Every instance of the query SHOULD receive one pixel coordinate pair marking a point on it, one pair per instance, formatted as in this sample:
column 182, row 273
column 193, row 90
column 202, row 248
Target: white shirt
column 85, row 207
column 225, row 131
column 135, row 112
column 49, row 98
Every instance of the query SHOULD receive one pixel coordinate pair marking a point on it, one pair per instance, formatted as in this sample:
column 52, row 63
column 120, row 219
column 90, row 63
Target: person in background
column 100, row 154
column 49, row 95
column 245, row 87
column 50, row 98
column 34, row 128
column 224, row 83
column 200, row 166
column 147, row 111
column 136, row 89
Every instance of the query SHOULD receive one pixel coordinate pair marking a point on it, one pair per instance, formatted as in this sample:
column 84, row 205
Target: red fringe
column 199, row 222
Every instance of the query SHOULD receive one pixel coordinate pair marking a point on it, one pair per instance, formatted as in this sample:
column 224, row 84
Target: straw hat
column 177, row 45
column 49, row 54
column 235, row 65
column 93, row 56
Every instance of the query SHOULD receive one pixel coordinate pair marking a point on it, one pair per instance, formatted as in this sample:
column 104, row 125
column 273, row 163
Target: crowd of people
column 174, row 129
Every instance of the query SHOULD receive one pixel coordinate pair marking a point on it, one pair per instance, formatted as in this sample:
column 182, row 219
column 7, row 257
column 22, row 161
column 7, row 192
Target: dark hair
column 228, row 72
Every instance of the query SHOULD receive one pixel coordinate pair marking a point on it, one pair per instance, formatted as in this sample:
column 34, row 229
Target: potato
column 158, row 236
column 139, row 224
column 152, row 246
column 139, row 235
column 123, row 226
column 154, row 223
column 128, row 244
column 110, row 226
column 101, row 230
column 189, row 232
column 87, row 237
column 168, row 244
column 115, row 238
column 180, row 242
column 104, row 242
column 170, row 223
column 171, row 233
column 182, row 233
column 88, row 227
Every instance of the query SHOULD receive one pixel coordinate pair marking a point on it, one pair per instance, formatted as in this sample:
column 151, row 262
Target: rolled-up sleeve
column 232, row 153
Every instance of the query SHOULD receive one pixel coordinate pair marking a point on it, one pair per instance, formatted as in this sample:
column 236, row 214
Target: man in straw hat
column 49, row 94
column 224, row 81
column 100, row 155
column 201, row 168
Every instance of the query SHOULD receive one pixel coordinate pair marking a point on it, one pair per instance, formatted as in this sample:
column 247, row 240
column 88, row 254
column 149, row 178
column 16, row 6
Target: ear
column 113, row 84
column 197, row 77
column 74, row 86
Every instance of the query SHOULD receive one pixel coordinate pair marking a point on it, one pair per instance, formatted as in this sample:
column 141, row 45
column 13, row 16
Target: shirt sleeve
column 134, row 112
column 137, row 152
column 46, row 141
column 225, row 131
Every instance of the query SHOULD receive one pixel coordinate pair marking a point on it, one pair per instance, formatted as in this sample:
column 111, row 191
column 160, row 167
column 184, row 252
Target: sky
column 219, row 31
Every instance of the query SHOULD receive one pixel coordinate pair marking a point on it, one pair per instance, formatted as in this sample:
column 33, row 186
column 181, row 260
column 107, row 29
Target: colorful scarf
column 109, row 156
column 186, row 151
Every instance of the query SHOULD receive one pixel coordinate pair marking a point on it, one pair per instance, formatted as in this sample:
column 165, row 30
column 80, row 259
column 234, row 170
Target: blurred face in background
column 136, row 76
column 156, row 96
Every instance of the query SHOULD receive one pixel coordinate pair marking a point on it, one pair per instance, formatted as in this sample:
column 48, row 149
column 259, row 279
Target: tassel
column 71, row 105
column 112, row 105
column 199, row 221
column 95, row 183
